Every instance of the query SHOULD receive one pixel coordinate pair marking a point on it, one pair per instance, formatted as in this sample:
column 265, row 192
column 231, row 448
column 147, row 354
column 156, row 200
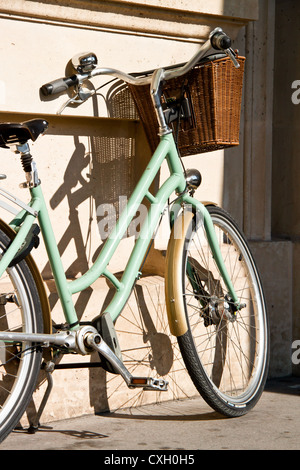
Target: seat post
column 29, row 166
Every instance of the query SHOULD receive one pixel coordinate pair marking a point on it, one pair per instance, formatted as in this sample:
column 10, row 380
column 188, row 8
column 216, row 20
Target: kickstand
column 35, row 423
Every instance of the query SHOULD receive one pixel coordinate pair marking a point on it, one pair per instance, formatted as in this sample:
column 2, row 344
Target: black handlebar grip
column 59, row 85
column 220, row 41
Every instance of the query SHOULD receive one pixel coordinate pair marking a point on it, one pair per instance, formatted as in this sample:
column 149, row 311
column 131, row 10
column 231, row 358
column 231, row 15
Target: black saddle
column 18, row 133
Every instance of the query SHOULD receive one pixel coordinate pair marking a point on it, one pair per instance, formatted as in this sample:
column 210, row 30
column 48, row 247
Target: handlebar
column 217, row 40
column 220, row 41
column 59, row 85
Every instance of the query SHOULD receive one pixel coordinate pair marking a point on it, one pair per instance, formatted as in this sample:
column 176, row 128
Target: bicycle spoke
column 149, row 349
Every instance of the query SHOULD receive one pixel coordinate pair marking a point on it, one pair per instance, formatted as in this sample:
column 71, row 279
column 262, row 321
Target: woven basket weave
column 214, row 90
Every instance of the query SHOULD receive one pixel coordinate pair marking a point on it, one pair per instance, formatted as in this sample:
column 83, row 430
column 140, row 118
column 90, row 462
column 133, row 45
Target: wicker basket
column 214, row 91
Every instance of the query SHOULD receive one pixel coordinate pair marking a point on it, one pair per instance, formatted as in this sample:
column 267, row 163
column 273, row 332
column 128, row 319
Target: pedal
column 148, row 383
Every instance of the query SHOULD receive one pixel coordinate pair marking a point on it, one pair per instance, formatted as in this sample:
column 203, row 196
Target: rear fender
column 37, row 278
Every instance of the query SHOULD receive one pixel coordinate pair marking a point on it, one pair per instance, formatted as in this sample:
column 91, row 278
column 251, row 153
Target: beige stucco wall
column 38, row 40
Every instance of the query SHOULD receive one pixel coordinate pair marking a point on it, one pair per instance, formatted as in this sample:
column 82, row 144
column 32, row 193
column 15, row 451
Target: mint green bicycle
column 214, row 298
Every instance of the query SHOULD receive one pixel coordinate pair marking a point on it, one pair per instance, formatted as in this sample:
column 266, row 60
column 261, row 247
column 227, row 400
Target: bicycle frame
column 23, row 222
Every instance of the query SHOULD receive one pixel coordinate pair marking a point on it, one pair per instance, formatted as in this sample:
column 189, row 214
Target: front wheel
column 225, row 351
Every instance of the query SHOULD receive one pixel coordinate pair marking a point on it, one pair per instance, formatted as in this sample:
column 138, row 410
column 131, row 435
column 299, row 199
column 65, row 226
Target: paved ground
column 190, row 425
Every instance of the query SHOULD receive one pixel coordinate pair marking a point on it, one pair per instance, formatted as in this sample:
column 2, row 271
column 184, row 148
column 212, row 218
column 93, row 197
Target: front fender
column 173, row 278
column 173, row 273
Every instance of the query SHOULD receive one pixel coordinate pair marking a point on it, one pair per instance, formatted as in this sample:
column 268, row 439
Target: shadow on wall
column 111, row 169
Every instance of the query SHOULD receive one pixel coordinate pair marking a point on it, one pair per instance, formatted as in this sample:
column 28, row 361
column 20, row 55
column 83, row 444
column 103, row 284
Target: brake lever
column 70, row 101
column 231, row 54
column 81, row 96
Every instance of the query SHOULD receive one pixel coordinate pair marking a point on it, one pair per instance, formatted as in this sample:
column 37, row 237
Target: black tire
column 20, row 310
column 226, row 353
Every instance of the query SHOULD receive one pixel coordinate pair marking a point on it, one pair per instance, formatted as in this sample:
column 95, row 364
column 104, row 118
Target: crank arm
column 96, row 342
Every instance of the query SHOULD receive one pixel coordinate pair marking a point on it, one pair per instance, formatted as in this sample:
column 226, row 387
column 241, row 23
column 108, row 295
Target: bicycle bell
column 84, row 62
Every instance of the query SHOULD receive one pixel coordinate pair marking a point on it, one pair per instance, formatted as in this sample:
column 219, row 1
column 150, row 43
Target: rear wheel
column 225, row 351
column 20, row 311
